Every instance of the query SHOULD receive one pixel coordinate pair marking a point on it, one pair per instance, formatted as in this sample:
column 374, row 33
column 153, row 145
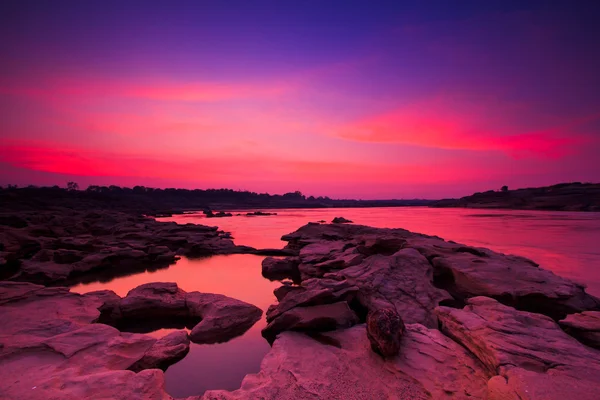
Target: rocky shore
column 60, row 246
column 362, row 313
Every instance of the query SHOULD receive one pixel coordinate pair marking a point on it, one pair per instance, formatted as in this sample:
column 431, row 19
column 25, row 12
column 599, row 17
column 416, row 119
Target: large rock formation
column 530, row 355
column 415, row 273
column 430, row 365
column 60, row 245
column 51, row 345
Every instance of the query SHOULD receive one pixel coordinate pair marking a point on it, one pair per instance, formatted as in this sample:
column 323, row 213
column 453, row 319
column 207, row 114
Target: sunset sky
column 345, row 99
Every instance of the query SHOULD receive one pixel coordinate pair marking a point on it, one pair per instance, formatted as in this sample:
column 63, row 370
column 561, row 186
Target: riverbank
column 479, row 324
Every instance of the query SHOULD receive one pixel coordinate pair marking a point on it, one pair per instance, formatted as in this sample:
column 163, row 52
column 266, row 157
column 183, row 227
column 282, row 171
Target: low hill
column 574, row 196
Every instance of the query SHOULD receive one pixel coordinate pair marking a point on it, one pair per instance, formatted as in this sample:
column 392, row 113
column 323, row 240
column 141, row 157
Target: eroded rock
column 527, row 350
column 326, row 317
column 584, row 326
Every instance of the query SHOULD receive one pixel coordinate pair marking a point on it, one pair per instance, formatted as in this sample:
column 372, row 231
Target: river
column 566, row 243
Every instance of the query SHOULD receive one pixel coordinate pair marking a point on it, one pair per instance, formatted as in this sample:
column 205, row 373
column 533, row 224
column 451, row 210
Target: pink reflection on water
column 563, row 242
column 215, row 366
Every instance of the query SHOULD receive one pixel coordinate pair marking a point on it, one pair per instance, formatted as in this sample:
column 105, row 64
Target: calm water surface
column 564, row 242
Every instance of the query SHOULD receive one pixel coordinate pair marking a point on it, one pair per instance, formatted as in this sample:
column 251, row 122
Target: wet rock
column 321, row 318
column 584, row 326
column 341, row 220
column 280, row 268
column 384, row 330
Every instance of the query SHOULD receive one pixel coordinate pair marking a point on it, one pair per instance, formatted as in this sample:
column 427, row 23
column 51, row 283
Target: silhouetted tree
column 72, row 186
column 504, row 188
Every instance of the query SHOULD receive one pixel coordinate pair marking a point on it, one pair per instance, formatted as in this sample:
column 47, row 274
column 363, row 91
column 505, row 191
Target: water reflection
column 563, row 242
column 214, row 366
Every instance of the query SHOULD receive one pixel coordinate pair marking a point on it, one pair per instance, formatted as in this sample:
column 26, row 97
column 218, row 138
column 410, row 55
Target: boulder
column 384, row 330
column 223, row 318
column 280, row 268
column 341, row 220
column 321, row 318
column 584, row 327
column 151, row 300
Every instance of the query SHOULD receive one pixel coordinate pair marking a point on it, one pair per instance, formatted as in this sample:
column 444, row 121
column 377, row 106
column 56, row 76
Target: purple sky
column 344, row 99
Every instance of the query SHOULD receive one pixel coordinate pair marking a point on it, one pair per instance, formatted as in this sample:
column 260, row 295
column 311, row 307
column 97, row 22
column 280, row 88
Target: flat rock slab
column 415, row 273
column 526, row 350
column 300, row 367
column 51, row 345
column 584, row 326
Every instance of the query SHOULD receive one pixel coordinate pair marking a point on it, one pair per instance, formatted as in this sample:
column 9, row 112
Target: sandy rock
column 527, row 350
column 50, row 348
column 584, row 326
column 430, row 366
column 404, row 281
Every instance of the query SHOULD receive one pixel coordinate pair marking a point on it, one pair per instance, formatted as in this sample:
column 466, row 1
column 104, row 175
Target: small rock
column 280, row 268
column 341, row 220
column 384, row 330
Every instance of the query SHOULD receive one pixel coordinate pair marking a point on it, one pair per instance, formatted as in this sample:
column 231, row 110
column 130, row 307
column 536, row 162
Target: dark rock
column 314, row 292
column 281, row 268
column 286, row 288
column 341, row 220
column 259, row 214
column 325, row 317
column 13, row 221
column 153, row 300
column 384, row 330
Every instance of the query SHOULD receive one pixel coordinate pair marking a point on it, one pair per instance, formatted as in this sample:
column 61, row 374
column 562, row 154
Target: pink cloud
column 441, row 124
